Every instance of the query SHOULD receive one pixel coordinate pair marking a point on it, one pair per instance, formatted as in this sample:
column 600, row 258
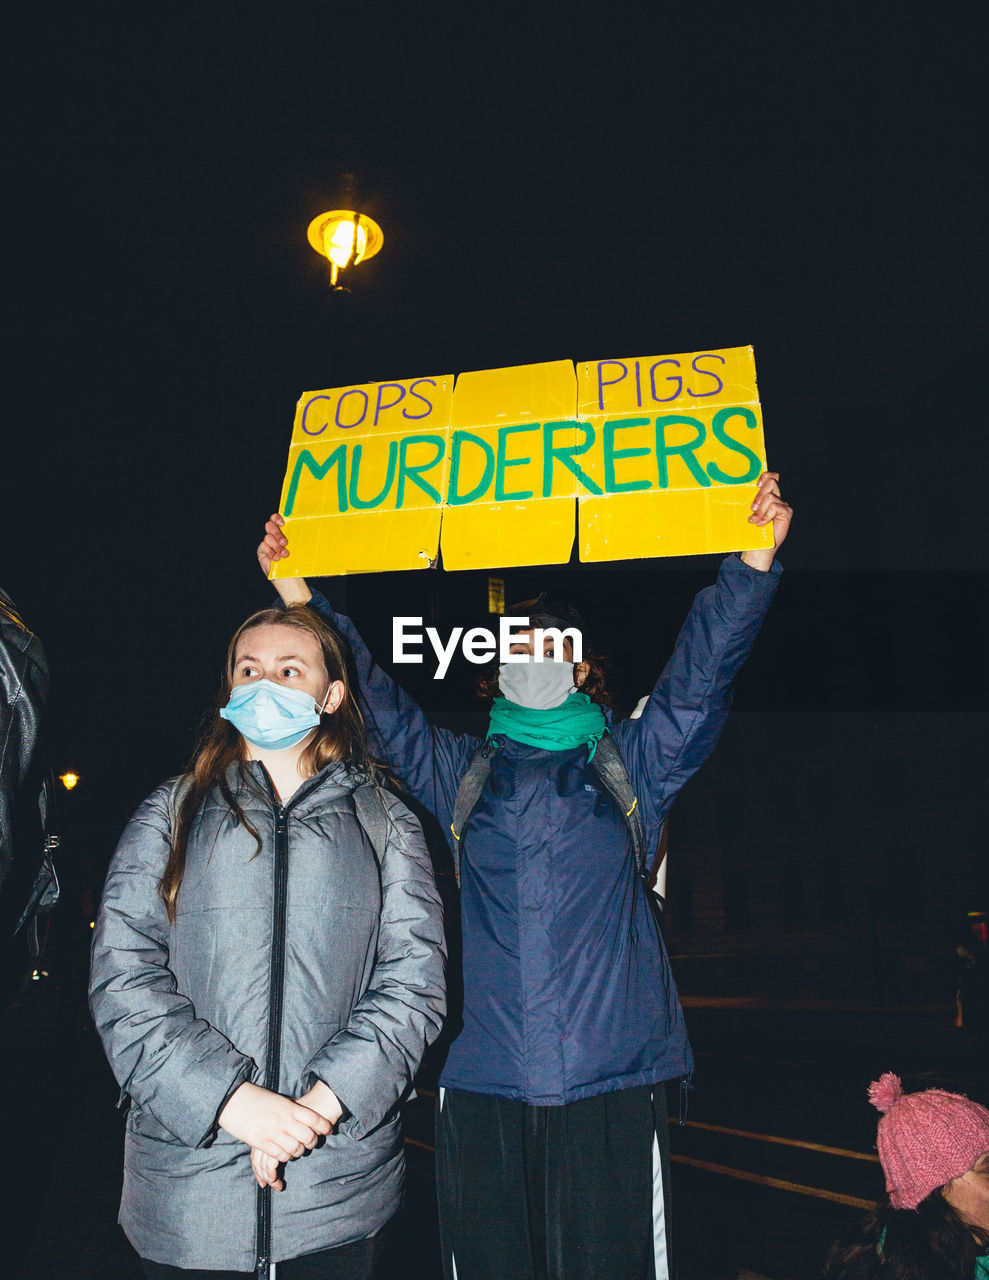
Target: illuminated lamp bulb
column 344, row 238
column 338, row 242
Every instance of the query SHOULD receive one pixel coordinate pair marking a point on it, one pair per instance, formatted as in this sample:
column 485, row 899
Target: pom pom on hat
column 885, row 1091
column 925, row 1139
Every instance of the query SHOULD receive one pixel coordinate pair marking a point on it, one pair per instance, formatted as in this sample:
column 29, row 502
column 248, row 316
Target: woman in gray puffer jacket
column 267, row 972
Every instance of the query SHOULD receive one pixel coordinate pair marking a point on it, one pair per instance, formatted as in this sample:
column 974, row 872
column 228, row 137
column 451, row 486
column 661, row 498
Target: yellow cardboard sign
column 499, row 509
column 680, row 438
column 366, row 476
column 661, row 453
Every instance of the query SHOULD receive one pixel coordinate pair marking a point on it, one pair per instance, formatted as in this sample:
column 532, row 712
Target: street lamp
column 68, row 780
column 344, row 237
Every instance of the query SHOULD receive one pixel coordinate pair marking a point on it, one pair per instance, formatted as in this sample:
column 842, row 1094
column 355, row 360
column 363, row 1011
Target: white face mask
column 538, row 685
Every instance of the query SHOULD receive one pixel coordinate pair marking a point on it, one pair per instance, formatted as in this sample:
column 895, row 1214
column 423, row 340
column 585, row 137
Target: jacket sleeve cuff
column 735, row 563
column 192, row 1113
column 367, row 1098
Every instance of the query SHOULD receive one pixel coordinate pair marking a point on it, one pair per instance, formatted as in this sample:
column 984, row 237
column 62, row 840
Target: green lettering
column 611, row 485
column 357, row 502
column 319, row 469
column 736, row 446
column 454, row 498
column 415, row 473
column 566, row 454
column 686, row 451
column 503, row 463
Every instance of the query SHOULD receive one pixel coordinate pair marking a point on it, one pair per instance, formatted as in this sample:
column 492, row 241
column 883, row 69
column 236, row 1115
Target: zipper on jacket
column 276, row 990
column 276, row 985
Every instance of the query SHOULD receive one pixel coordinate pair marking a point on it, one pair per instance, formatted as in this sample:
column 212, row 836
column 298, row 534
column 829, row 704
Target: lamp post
column 345, row 237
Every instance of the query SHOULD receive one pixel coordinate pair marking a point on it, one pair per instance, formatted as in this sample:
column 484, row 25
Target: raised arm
column 430, row 760
column 682, row 720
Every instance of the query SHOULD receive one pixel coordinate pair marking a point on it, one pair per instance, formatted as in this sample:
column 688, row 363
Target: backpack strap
column 173, row 805
column 373, row 817
column 468, row 794
column 607, row 763
column 609, row 766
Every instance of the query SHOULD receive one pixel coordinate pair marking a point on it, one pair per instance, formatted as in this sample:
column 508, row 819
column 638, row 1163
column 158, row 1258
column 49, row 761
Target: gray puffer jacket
column 311, row 934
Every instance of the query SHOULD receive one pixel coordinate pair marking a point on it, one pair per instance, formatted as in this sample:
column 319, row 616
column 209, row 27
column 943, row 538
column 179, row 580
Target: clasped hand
column 278, row 1129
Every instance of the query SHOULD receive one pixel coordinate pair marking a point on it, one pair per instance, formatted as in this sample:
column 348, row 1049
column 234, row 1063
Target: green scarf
column 577, row 721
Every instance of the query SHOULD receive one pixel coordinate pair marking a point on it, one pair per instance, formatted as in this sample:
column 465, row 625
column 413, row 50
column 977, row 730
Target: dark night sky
column 799, row 178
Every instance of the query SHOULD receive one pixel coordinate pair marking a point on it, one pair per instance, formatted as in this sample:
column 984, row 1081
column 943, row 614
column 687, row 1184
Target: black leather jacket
column 23, row 693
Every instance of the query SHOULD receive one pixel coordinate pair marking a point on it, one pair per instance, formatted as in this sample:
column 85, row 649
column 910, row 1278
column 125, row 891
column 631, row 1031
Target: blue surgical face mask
column 272, row 716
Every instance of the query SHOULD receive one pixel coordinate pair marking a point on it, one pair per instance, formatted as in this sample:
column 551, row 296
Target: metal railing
column 747, row 1175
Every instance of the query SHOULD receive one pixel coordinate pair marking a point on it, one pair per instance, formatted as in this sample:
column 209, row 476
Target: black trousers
column 355, row 1261
column 554, row 1193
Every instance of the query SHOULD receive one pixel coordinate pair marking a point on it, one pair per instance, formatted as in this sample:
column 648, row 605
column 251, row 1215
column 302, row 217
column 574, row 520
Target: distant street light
column 68, row 780
column 345, row 238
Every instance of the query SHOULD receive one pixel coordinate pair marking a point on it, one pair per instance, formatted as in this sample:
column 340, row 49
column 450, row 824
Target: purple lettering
column 708, row 355
column 670, row 377
column 379, row 402
column 428, row 403
column 608, row 382
column 354, row 391
column 309, row 404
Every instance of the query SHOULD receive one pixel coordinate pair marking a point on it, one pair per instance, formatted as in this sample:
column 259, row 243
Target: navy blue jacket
column 567, row 986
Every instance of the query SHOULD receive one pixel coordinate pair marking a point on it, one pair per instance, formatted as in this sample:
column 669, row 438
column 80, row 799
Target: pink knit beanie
column 925, row 1139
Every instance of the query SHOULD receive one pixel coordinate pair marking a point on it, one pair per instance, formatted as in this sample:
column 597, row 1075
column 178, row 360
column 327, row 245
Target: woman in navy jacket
column 551, row 1127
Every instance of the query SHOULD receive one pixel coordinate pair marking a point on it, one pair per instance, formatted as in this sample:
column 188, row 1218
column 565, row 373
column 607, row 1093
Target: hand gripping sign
column 656, row 456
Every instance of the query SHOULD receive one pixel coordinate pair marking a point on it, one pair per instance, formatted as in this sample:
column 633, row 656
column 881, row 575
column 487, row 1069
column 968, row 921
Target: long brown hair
column 340, row 736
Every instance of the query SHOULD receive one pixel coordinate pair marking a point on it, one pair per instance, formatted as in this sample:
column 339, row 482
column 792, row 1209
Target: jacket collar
column 333, row 780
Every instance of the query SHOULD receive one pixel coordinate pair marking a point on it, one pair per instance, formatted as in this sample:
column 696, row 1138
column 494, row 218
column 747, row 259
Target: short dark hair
column 543, row 612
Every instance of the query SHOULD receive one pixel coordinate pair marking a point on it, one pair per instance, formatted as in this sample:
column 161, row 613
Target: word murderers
column 618, row 455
